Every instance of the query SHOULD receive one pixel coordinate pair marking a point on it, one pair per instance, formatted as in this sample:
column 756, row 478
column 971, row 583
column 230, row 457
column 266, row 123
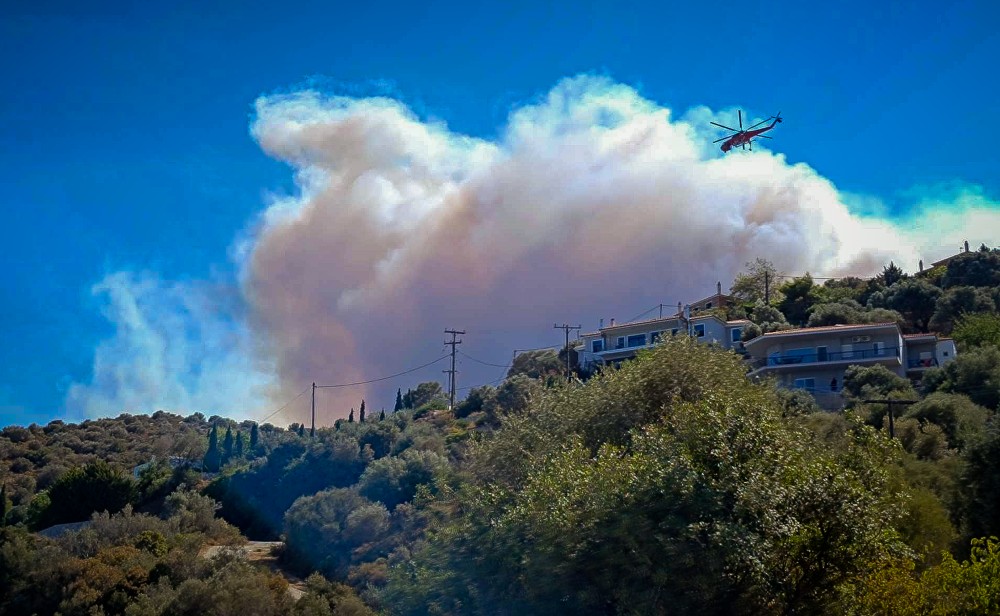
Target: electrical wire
column 284, row 406
column 485, row 363
column 384, row 378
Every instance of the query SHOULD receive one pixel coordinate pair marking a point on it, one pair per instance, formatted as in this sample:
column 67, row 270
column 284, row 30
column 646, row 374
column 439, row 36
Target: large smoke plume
column 592, row 202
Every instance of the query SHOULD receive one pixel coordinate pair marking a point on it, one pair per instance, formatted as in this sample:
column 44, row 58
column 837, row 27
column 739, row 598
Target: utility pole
column 312, row 431
column 892, row 419
column 452, row 372
column 566, row 329
column 767, row 287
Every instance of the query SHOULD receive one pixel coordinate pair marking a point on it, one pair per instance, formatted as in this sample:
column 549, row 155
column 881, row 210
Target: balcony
column 792, row 360
column 921, row 364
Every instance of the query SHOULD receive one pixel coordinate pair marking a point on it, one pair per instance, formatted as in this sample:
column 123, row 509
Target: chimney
column 601, row 326
column 921, row 265
column 612, row 321
column 718, row 288
column 680, row 310
column 966, row 245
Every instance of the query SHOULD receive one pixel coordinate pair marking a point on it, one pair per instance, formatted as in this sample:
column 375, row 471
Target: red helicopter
column 745, row 136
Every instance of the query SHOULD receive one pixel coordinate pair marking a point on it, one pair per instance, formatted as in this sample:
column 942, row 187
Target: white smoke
column 593, row 202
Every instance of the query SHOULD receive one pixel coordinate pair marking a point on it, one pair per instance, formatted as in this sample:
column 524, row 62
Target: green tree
column 399, row 401
column 975, row 269
column 479, row 399
column 978, row 330
column 84, row 490
column 669, row 485
column 240, row 449
column 426, row 392
column 254, row 439
column 974, row 373
column 361, row 417
column 213, row 457
column 350, row 416
column 875, row 382
column 758, row 280
column 891, row 274
column 963, row 421
column 227, row 445
column 4, row 505
column 914, row 298
column 958, row 301
column 381, row 416
column 301, row 430
column 799, row 296
column 537, row 364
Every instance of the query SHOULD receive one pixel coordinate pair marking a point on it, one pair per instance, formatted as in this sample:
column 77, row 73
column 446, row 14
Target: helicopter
column 745, row 136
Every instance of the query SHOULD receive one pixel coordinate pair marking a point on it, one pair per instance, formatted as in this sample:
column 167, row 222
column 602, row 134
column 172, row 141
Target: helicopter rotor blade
column 757, row 124
column 723, row 139
column 740, row 112
column 762, row 137
column 725, row 127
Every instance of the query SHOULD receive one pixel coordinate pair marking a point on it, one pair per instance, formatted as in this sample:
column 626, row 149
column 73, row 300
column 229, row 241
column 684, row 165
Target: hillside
column 672, row 483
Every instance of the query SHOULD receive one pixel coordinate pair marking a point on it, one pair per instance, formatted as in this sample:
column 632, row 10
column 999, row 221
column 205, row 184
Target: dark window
column 620, row 343
column 597, row 346
column 737, row 333
column 699, row 330
column 636, row 340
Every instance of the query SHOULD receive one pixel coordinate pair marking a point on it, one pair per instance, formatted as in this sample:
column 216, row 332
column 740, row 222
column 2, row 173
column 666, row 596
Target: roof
column 700, row 317
column 824, row 329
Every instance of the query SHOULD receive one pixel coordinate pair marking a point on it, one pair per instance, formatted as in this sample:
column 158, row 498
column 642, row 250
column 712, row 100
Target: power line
column 485, row 363
column 285, row 405
column 384, row 378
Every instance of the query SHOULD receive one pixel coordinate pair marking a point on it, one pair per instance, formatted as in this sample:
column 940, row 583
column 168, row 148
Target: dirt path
column 262, row 552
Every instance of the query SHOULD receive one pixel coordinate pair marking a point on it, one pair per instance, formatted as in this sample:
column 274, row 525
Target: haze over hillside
column 591, row 202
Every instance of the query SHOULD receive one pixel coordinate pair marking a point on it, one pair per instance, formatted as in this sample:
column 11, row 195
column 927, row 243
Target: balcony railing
column 929, row 362
column 820, row 357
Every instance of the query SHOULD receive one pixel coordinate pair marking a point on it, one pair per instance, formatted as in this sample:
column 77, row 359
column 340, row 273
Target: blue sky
column 125, row 129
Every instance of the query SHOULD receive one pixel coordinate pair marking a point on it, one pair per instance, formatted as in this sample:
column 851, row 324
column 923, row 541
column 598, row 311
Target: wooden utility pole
column 312, row 430
column 890, row 404
column 566, row 329
column 451, row 380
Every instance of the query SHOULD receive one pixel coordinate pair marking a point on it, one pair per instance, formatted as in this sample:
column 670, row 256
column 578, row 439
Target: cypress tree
column 213, row 458
column 254, row 438
column 227, row 446
column 240, row 444
column 4, row 505
column 362, row 417
column 350, row 418
column 399, row 401
column 302, row 429
column 381, row 415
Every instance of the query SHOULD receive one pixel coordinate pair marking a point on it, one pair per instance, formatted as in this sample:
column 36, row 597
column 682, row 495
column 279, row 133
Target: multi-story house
column 815, row 358
column 616, row 343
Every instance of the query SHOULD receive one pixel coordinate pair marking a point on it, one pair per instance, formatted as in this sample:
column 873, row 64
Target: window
column 620, row 343
column 736, row 334
column 878, row 348
column 674, row 331
column 708, row 305
column 699, row 330
column 637, row 340
column 847, row 351
column 654, row 337
column 809, row 384
column 596, row 346
column 821, row 354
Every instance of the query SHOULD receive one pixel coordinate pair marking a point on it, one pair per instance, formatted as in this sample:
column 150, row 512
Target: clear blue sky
column 124, row 129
